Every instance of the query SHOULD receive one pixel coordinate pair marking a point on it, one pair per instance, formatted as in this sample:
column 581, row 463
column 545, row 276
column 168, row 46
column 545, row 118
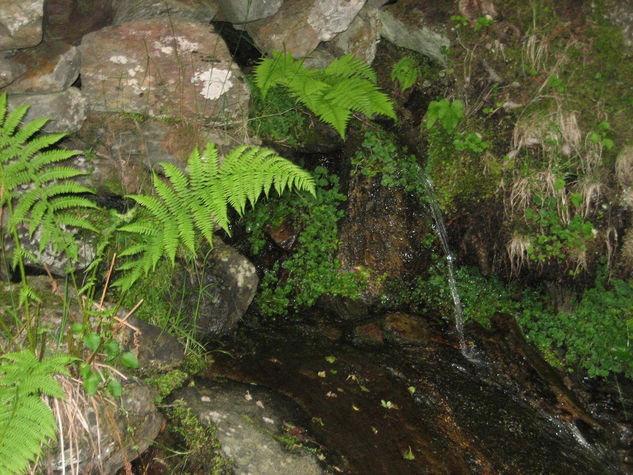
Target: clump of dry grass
column 517, row 249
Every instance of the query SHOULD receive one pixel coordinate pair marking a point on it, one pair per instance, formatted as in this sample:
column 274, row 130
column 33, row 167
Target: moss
column 201, row 443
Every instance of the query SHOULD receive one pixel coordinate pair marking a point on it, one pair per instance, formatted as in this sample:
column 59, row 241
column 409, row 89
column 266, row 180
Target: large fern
column 347, row 85
column 36, row 190
column 26, row 422
column 187, row 205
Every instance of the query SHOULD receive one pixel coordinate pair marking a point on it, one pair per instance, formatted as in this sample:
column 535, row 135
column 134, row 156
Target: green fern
column 347, row 85
column 188, row 205
column 37, row 191
column 26, row 422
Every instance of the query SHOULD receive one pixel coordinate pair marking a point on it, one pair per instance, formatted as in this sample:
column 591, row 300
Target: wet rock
column 405, row 26
column 300, row 25
column 185, row 9
column 220, row 293
column 368, row 334
column 162, row 67
column 405, row 329
column 50, row 67
column 244, row 11
column 10, row 70
column 381, row 233
column 20, row 23
column 69, row 20
column 249, row 421
column 66, row 109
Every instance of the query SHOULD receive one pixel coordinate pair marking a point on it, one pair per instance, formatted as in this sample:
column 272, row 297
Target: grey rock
column 50, row 67
column 134, row 10
column 163, row 66
column 10, row 70
column 66, row 109
column 221, row 292
column 244, row 11
column 247, row 418
column 421, row 38
column 299, row 26
column 20, row 23
column 360, row 38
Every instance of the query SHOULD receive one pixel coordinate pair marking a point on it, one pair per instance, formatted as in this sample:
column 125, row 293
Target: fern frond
column 72, row 220
column 26, row 422
column 13, row 120
column 349, row 66
column 272, row 71
column 30, row 129
column 42, row 142
column 59, row 173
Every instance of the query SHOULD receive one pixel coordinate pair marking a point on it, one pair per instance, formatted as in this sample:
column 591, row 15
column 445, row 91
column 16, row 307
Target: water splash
column 440, row 230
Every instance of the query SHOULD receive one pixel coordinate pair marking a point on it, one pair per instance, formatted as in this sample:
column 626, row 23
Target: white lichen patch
column 166, row 45
column 214, row 82
column 120, row 59
column 132, row 71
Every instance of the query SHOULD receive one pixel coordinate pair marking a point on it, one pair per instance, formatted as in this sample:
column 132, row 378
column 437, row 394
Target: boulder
column 299, row 26
column 20, row 23
column 250, row 423
column 360, row 38
column 405, row 25
column 244, row 11
column 218, row 295
column 201, row 11
column 70, row 20
column 162, row 66
column 50, row 67
column 66, row 109
column 10, row 70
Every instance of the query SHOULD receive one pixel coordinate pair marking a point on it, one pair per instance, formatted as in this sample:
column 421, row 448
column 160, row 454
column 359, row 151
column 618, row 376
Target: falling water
column 440, row 230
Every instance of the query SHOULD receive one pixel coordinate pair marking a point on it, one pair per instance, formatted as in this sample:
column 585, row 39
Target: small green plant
column 187, row 205
column 26, row 421
column 602, row 135
column 406, row 72
column 448, row 113
column 311, row 269
column 347, row 85
column 556, row 239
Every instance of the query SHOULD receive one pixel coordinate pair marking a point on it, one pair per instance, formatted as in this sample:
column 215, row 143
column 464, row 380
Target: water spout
column 440, row 230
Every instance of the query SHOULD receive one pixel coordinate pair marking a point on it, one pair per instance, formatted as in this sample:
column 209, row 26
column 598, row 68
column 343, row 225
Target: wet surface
column 397, row 409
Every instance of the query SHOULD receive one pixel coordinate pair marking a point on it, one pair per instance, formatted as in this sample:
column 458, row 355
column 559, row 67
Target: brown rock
column 406, row 329
column 20, row 23
column 50, row 67
column 162, row 67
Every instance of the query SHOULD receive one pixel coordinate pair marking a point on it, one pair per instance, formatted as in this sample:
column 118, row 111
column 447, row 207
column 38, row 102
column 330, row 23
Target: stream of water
column 440, row 229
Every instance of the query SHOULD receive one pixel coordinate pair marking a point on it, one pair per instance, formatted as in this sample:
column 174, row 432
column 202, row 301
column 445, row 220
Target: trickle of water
column 440, row 230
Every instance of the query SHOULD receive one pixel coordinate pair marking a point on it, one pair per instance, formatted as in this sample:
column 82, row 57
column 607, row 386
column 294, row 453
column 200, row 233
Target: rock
column 129, row 11
column 405, row 26
column 244, row 11
column 381, row 232
column 368, row 334
column 111, row 436
column 20, row 23
column 162, row 67
column 10, row 70
column 360, row 38
column 249, row 421
column 66, row 109
column 57, row 262
column 50, row 67
column 405, row 329
column 70, row 20
column 157, row 350
column 300, row 25
column 220, row 293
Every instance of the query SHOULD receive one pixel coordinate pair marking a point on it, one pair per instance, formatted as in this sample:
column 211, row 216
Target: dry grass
column 624, row 167
column 590, row 189
column 535, row 54
column 517, row 249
